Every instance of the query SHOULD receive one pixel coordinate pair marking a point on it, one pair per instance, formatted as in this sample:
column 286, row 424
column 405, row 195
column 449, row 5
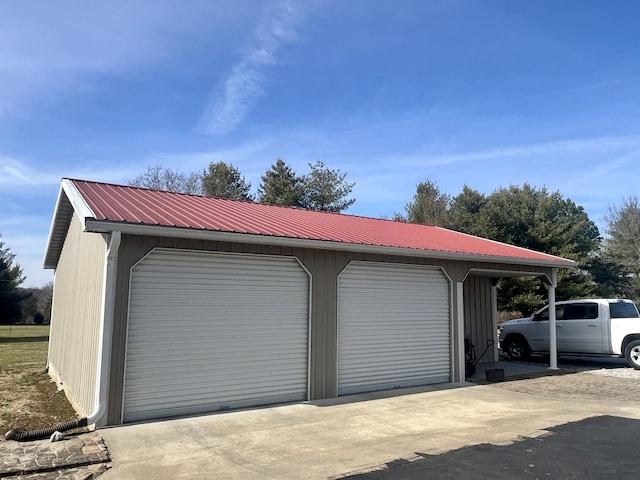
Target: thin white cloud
column 589, row 145
column 14, row 173
column 231, row 102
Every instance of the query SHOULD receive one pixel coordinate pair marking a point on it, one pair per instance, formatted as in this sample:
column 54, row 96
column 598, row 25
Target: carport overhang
column 549, row 277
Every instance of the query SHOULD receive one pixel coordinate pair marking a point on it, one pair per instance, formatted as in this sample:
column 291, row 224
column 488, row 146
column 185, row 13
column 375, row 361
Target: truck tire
column 517, row 348
column 632, row 354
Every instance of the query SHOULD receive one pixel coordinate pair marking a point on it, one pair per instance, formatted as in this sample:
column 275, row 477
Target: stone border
column 78, row 457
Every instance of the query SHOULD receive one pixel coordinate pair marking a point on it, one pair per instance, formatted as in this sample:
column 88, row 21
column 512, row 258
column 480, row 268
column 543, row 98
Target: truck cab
column 583, row 327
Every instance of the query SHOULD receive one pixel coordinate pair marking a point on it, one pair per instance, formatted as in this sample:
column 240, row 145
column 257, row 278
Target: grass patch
column 28, row 398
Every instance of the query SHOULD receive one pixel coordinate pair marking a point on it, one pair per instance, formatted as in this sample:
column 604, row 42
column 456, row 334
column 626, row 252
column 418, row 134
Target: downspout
column 106, row 330
column 104, row 354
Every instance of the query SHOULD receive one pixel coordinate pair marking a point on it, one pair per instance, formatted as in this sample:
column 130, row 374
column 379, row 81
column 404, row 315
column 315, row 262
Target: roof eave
column 69, row 201
column 101, row 226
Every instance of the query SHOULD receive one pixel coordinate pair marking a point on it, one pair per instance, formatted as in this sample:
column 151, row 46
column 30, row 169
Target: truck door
column 580, row 329
column 539, row 331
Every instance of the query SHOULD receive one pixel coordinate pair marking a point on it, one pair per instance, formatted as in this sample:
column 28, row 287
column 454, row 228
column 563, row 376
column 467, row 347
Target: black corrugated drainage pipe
column 29, row 435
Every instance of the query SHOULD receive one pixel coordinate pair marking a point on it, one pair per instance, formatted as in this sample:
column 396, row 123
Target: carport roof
column 106, row 207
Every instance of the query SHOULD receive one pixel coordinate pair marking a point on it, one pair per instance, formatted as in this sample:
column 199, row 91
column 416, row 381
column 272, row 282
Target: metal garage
column 168, row 304
column 210, row 331
column 393, row 327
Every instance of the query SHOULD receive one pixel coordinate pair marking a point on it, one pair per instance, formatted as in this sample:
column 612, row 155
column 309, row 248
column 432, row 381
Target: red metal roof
column 132, row 205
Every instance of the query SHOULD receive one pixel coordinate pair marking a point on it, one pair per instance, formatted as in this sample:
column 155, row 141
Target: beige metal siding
column 324, row 266
column 75, row 315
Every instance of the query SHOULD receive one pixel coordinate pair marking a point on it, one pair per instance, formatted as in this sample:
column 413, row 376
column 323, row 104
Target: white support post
column 460, row 370
column 494, row 320
column 553, row 348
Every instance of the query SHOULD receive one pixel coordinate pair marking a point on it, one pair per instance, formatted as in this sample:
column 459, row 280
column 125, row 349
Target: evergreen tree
column 546, row 222
column 223, row 180
column 11, row 276
column 326, row 190
column 464, row 212
column 429, row 206
column 281, row 186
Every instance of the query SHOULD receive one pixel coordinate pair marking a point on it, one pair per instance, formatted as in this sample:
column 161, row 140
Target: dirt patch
column 30, row 400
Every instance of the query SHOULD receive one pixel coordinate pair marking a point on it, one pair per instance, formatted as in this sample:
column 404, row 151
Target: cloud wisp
column 231, row 102
column 589, row 145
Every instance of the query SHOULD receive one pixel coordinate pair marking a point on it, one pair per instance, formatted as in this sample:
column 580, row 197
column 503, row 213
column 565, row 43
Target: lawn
column 28, row 397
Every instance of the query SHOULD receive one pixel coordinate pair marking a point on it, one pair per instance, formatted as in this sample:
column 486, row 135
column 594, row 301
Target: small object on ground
column 495, row 375
column 57, row 436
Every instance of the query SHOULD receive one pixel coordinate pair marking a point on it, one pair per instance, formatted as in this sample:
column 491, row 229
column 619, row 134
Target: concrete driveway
column 334, row 439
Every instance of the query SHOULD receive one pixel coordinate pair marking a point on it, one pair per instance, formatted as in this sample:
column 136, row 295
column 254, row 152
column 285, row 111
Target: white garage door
column 211, row 331
column 393, row 327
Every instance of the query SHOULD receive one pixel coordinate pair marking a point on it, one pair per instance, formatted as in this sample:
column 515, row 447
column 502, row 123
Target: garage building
column 168, row 304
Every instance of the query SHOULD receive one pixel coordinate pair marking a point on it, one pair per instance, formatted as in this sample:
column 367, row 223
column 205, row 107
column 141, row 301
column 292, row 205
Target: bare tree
column 623, row 234
column 161, row 178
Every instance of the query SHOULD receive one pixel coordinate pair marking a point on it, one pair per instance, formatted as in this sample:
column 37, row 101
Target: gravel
column 616, row 372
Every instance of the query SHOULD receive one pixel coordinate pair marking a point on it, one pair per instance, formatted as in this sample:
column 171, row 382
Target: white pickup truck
column 583, row 327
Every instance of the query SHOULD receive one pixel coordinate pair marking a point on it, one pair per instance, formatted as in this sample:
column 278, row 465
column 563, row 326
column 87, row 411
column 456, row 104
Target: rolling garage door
column 210, row 331
column 393, row 327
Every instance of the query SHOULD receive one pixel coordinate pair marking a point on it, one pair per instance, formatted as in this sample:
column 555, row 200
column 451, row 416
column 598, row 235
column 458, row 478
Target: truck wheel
column 632, row 354
column 517, row 348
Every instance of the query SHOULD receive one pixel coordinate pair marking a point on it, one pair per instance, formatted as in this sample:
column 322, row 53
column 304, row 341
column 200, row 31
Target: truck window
column 544, row 315
column 580, row 311
column 623, row 310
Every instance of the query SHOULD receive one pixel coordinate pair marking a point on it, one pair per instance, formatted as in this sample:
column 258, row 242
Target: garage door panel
column 209, row 331
column 393, row 327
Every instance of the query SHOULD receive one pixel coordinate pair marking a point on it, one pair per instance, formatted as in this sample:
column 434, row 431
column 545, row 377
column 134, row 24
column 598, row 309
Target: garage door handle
column 558, row 326
column 593, row 324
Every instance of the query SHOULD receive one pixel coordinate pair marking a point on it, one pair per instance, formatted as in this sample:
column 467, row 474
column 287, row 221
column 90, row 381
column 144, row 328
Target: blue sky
column 483, row 93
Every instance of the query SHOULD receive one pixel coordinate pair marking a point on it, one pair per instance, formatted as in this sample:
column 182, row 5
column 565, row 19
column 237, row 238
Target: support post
column 459, row 373
column 553, row 348
column 494, row 318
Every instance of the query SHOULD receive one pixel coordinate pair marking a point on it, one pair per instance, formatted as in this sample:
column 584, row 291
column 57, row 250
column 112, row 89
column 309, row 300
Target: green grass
column 23, row 346
column 23, row 331
column 28, row 397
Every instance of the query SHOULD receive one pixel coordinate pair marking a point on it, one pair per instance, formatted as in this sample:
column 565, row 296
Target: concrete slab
column 334, row 438
column 510, row 369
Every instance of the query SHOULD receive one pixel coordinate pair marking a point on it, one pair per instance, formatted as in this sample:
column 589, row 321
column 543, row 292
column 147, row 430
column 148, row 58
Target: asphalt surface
column 596, row 448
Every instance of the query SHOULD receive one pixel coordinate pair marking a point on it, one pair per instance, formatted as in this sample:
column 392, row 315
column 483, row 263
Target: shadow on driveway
column 595, row 448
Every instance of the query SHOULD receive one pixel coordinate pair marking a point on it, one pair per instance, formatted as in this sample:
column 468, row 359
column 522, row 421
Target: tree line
column 20, row 305
column 321, row 188
column 525, row 216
